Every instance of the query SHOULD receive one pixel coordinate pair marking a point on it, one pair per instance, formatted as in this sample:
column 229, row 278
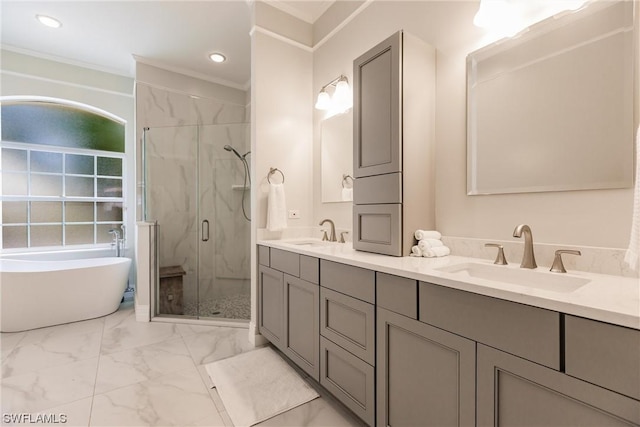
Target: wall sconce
column 341, row 99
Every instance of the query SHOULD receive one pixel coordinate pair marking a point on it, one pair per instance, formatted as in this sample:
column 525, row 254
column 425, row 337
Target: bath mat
column 258, row 385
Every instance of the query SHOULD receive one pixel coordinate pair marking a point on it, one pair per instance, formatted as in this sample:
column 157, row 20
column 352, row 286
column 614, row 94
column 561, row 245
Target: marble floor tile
column 220, row 343
column 318, row 412
column 186, row 330
column 8, row 341
column 50, row 387
column 74, row 414
column 124, row 332
column 177, row 399
column 37, row 336
column 141, row 363
column 51, row 351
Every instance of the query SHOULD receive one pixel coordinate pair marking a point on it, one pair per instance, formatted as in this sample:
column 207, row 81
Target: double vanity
column 454, row 340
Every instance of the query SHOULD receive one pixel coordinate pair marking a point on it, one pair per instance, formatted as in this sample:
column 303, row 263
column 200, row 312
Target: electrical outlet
column 294, row 214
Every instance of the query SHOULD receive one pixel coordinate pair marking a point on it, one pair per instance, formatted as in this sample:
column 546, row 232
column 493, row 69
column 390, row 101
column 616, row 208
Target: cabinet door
column 271, row 294
column 377, row 111
column 515, row 392
column 302, row 301
column 426, row 376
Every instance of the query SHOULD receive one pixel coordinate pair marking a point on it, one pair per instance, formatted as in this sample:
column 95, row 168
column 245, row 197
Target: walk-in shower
column 194, row 189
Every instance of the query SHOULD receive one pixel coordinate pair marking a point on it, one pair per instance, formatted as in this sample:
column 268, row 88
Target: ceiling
column 176, row 35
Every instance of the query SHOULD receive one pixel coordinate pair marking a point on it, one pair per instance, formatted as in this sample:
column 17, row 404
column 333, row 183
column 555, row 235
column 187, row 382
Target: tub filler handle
column 205, row 230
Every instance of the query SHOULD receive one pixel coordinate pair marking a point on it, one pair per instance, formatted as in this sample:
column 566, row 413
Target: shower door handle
column 205, row 230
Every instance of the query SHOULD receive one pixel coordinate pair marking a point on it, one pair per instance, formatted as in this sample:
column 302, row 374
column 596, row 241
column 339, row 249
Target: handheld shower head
column 231, row 149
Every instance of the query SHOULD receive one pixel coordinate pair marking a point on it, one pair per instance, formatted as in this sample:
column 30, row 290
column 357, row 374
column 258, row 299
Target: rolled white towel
column 416, row 251
column 437, row 252
column 427, row 234
column 426, row 244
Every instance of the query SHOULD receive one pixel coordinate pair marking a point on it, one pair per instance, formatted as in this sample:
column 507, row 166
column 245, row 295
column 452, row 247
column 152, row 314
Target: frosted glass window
column 44, row 161
column 78, row 211
column 46, row 211
column 46, row 235
column 79, row 186
column 14, row 160
column 109, row 187
column 109, row 166
column 102, row 232
column 14, row 212
column 79, row 165
column 62, row 173
column 46, row 185
column 14, row 184
column 109, row 211
column 14, row 237
column 78, row 234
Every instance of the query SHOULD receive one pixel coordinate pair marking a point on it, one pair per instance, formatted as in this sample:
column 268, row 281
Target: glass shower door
column 171, row 199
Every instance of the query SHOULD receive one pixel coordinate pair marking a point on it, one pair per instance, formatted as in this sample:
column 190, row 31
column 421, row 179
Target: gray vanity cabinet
column 302, row 327
column 426, row 376
column 516, row 392
column 289, row 306
column 393, row 131
column 347, row 336
column 271, row 316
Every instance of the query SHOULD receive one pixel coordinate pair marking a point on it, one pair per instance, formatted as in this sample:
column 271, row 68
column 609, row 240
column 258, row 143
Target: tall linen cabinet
column 394, row 135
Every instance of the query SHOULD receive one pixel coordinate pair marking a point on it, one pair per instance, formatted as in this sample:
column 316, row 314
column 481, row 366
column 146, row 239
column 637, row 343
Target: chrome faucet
column 528, row 258
column 117, row 241
column 332, row 235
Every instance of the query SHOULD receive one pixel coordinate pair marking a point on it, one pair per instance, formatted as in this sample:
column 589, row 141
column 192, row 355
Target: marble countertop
column 608, row 298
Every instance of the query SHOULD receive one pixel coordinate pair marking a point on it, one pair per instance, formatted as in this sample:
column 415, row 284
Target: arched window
column 62, row 169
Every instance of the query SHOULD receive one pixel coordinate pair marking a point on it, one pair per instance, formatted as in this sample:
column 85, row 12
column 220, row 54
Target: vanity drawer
column 354, row 281
column 525, row 331
column 287, row 262
column 378, row 228
column 263, row 255
column 397, row 294
column 603, row 354
column 349, row 379
column 378, row 189
column 310, row 269
column 349, row 323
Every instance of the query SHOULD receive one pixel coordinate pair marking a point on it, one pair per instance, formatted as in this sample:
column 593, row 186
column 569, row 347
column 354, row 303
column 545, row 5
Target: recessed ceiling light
column 49, row 21
column 217, row 57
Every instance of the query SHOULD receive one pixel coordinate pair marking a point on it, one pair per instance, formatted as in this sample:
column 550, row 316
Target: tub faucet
column 332, row 236
column 117, row 240
column 528, row 258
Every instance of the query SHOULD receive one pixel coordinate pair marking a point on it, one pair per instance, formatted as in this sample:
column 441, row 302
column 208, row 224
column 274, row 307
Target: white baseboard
column 143, row 311
column 254, row 336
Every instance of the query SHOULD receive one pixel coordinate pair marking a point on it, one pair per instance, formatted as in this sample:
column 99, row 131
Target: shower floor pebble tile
column 114, row 371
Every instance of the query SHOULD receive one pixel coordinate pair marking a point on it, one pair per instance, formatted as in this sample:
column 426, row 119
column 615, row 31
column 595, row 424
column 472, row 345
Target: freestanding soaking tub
column 36, row 294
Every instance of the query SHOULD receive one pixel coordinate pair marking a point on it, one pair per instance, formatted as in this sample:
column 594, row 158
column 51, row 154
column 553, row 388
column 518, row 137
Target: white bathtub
column 35, row 294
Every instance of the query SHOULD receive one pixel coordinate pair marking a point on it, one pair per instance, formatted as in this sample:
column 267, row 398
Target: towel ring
column 344, row 180
column 272, row 171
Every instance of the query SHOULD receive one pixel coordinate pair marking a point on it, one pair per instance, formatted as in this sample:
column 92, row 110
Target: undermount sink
column 311, row 243
column 518, row 276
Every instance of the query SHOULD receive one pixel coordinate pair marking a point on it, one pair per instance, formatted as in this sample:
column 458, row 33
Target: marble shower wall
column 181, row 128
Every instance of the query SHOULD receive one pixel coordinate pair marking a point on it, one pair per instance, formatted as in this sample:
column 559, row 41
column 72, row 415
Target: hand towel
column 416, row 251
column 632, row 256
column 437, row 252
column 347, row 194
column 426, row 244
column 427, row 234
column 276, row 208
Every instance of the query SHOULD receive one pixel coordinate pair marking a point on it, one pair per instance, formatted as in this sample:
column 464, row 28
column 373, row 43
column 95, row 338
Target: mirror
column 552, row 109
column 337, row 158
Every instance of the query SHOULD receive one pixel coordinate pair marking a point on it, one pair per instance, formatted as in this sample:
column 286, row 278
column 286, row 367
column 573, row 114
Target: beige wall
column 589, row 218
